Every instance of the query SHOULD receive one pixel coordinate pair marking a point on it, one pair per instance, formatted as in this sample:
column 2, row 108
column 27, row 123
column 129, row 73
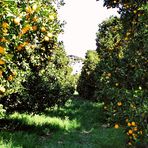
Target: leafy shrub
column 86, row 83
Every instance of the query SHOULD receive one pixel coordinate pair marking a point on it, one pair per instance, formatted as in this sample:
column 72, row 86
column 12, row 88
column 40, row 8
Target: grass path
column 76, row 125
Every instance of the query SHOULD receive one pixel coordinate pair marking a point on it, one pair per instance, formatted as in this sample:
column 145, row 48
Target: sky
column 82, row 17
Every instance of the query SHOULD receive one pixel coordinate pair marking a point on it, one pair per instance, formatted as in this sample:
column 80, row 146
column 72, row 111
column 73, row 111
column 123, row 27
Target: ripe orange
column 2, row 50
column 119, row 103
column 133, row 124
column 34, row 28
column 5, row 25
column 43, row 29
column 10, row 78
column 35, row 19
column 116, row 126
column 130, row 132
column 2, row 62
column 1, row 73
column 17, row 21
column 28, row 9
column 129, row 124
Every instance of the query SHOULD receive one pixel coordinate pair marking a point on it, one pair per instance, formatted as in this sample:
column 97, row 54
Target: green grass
column 78, row 124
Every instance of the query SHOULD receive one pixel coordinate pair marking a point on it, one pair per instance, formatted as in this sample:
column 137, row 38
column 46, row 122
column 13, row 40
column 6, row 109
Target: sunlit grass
column 41, row 120
column 78, row 124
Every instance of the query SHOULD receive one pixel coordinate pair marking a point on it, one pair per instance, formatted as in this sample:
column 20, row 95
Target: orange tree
column 111, row 52
column 28, row 41
column 123, row 74
column 86, row 82
column 121, row 80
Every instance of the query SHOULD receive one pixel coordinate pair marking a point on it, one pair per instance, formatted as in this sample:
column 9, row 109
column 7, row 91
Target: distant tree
column 86, row 83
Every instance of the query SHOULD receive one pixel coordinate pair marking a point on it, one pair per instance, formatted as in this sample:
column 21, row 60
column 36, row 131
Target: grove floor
column 78, row 124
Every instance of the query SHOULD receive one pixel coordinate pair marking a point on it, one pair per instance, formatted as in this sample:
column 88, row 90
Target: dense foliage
column 108, row 41
column 122, row 76
column 86, row 83
column 32, row 62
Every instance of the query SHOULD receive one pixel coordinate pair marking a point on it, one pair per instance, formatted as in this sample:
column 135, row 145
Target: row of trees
column 34, row 71
column 117, row 73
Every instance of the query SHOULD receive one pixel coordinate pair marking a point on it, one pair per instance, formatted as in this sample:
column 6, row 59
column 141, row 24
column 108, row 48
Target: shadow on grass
column 87, row 115
column 13, row 125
